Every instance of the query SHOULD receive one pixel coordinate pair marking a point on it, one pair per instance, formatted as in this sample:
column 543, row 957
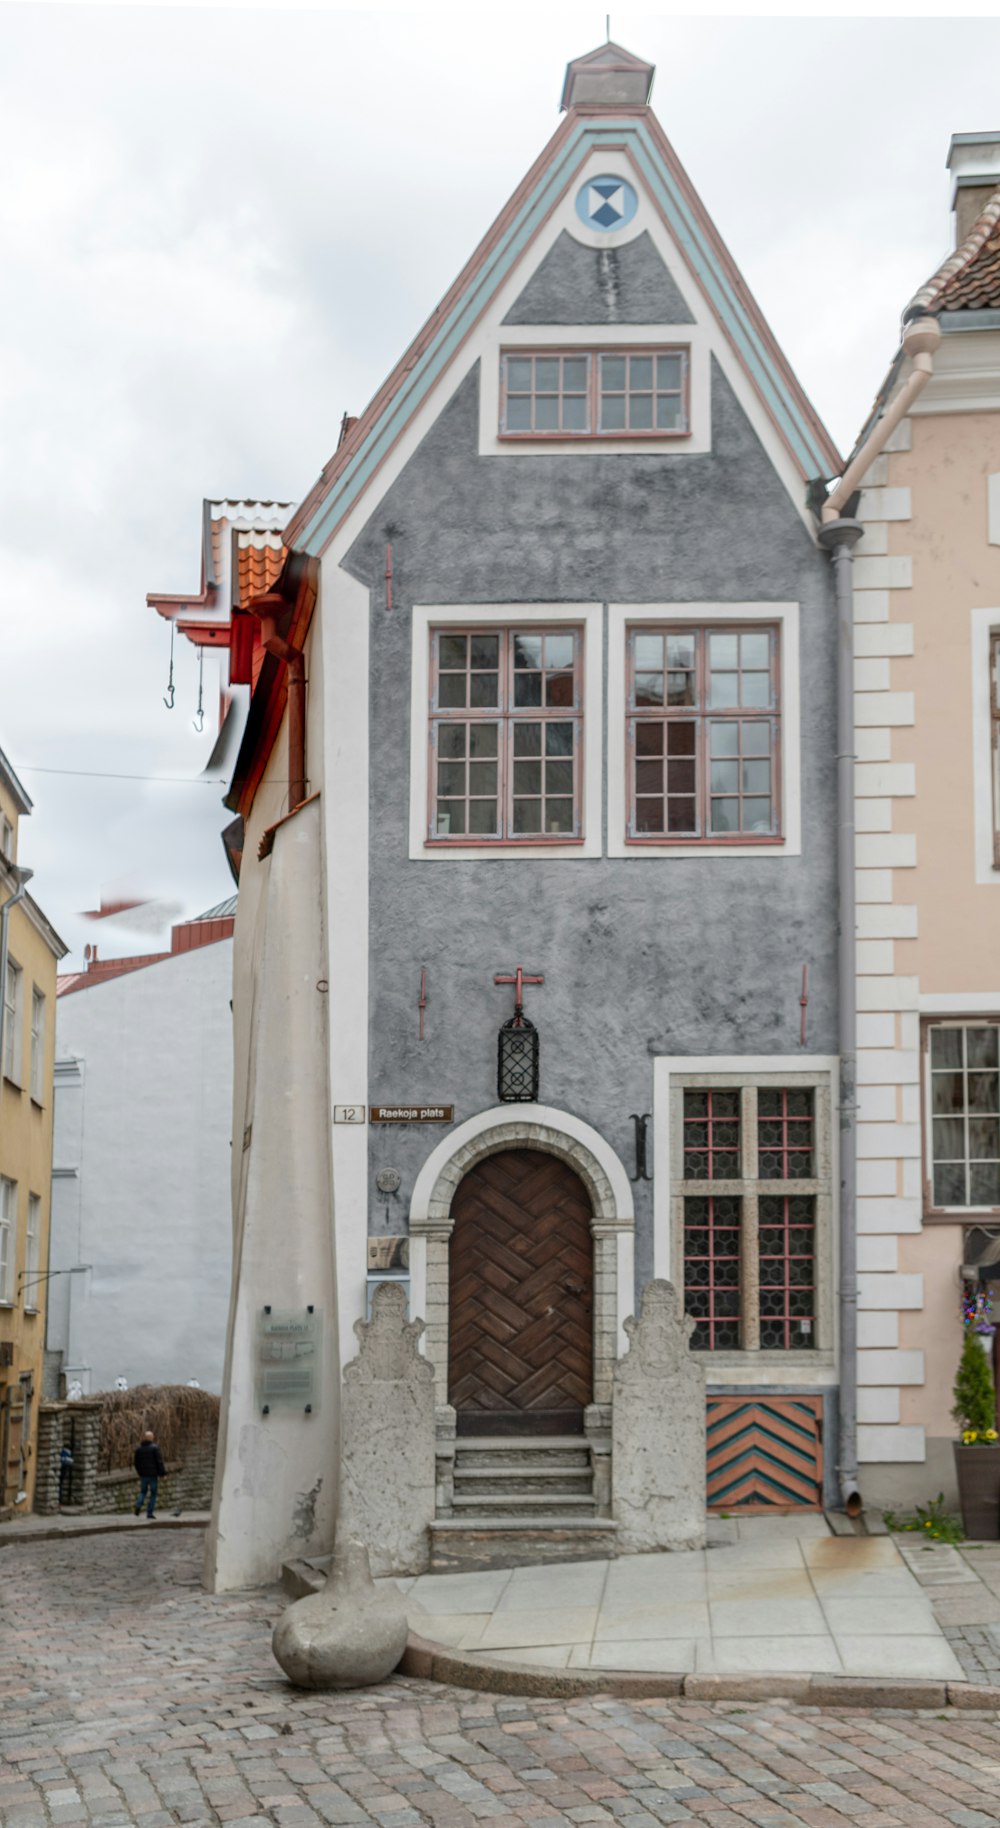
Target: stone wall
column 187, row 1486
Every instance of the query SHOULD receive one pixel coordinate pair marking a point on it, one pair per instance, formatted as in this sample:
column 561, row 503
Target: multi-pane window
column 37, row 1044
column 595, row 393
column 32, row 1255
column 964, row 1092
column 11, row 1021
column 995, row 739
column 506, row 721
column 8, row 1236
column 703, row 734
column 748, row 1199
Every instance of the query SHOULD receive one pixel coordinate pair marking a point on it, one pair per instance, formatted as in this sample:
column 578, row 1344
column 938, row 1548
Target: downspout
column 839, row 535
column 268, row 609
column 22, row 877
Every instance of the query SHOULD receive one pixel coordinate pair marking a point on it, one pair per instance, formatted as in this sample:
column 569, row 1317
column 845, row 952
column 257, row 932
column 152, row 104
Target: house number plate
column 348, row 1113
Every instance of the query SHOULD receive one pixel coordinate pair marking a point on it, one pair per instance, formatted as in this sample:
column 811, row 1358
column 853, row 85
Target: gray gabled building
column 536, row 950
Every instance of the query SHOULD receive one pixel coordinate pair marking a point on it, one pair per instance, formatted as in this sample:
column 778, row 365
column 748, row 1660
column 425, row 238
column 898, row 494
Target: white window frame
column 32, row 1256
column 815, row 1366
column 37, row 1044
column 8, row 1238
column 984, row 624
column 12, row 990
column 589, row 617
column 785, row 616
column 6, row 839
column 953, row 1018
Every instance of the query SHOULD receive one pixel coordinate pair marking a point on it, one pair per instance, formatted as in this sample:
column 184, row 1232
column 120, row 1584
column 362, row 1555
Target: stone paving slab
column 814, row 1604
column 130, row 1697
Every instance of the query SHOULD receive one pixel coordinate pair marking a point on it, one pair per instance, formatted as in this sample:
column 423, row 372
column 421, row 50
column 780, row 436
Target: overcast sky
column 219, row 229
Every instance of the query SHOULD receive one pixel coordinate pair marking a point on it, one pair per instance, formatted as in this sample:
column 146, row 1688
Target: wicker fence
column 103, row 1432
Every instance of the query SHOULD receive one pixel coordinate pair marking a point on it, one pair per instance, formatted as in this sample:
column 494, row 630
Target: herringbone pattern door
column 521, row 1338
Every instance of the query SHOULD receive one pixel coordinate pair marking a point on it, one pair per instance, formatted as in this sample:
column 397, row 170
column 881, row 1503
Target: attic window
column 594, row 393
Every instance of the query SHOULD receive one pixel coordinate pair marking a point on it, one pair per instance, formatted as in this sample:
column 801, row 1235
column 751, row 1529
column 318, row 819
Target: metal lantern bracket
column 517, row 1047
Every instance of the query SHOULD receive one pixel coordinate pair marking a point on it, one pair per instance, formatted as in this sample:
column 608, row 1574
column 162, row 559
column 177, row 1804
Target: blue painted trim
column 432, row 364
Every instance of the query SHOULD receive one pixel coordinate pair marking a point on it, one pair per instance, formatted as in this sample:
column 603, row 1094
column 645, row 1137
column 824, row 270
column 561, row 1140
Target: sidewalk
column 786, row 1598
column 93, row 1523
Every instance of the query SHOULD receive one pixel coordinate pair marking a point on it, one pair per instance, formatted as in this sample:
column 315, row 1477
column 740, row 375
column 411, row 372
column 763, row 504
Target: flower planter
column 978, row 1470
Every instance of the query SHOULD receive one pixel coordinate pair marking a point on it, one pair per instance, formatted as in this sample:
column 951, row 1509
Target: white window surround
column 692, row 337
column 739, row 1369
column 786, row 616
column 12, row 991
column 37, row 1071
column 963, row 1011
column 590, row 617
column 8, row 1238
column 984, row 622
column 31, row 1258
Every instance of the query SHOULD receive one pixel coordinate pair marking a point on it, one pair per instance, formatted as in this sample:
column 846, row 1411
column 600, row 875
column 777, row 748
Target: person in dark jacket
column 150, row 1468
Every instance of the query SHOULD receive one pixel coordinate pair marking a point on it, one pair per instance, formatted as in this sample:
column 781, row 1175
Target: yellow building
column 29, row 952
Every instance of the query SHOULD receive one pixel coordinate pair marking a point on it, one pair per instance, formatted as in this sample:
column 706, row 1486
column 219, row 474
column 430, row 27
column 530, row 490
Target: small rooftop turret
column 609, row 77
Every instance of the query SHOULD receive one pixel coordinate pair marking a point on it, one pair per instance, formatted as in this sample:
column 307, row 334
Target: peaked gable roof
column 636, row 134
column 969, row 280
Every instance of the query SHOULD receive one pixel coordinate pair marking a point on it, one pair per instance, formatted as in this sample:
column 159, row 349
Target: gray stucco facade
column 641, row 956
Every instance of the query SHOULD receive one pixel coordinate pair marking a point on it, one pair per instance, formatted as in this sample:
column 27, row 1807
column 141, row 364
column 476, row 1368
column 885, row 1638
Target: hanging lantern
column 517, row 1061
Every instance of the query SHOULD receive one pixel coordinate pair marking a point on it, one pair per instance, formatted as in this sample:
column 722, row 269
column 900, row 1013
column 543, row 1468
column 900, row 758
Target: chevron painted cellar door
column 765, row 1453
column 521, row 1335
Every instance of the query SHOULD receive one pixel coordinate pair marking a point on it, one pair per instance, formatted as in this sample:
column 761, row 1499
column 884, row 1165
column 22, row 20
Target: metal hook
column 169, row 699
column 199, row 718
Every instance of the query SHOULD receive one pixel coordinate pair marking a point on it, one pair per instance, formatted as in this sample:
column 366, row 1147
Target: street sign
column 412, row 1113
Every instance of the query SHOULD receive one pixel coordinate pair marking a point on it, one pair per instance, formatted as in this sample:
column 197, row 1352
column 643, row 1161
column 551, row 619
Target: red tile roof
column 969, row 280
column 258, row 568
column 187, row 936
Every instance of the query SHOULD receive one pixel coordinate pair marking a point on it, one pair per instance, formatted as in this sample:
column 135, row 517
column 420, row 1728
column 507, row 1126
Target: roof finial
column 607, row 28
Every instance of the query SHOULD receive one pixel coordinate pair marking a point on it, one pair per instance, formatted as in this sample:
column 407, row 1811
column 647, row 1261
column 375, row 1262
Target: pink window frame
column 701, row 716
column 593, row 352
column 507, row 717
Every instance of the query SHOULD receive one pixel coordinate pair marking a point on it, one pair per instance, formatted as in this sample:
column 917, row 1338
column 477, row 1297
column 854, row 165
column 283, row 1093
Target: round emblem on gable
column 606, row 203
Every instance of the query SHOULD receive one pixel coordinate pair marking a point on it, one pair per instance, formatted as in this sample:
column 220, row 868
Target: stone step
column 565, row 1461
column 524, row 1504
column 506, row 1542
column 473, row 1479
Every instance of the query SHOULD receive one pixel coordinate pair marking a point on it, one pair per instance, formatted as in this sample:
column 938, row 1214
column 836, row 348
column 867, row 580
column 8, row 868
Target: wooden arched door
column 520, row 1355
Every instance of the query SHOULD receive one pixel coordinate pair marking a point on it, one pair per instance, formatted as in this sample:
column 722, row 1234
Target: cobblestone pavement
column 963, row 1586
column 128, row 1696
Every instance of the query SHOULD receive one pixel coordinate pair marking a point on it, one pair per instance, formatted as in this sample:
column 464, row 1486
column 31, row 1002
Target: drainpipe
column 268, row 609
column 839, row 536
column 920, row 339
column 22, row 877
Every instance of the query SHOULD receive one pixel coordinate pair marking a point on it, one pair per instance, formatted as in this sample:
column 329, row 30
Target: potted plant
column 977, row 1454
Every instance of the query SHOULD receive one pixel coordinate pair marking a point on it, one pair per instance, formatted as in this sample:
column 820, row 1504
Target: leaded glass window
column 752, row 1185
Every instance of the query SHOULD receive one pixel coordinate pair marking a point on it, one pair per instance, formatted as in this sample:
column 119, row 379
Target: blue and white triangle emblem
column 606, row 203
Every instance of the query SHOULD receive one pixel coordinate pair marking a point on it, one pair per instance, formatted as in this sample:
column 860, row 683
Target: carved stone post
column 658, row 1430
column 387, row 1439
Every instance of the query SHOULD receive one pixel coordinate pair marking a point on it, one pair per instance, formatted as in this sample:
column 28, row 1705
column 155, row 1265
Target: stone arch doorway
column 520, row 1343
column 612, row 1230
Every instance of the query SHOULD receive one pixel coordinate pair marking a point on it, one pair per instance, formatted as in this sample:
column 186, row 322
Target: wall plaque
column 412, row 1113
column 288, row 1358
